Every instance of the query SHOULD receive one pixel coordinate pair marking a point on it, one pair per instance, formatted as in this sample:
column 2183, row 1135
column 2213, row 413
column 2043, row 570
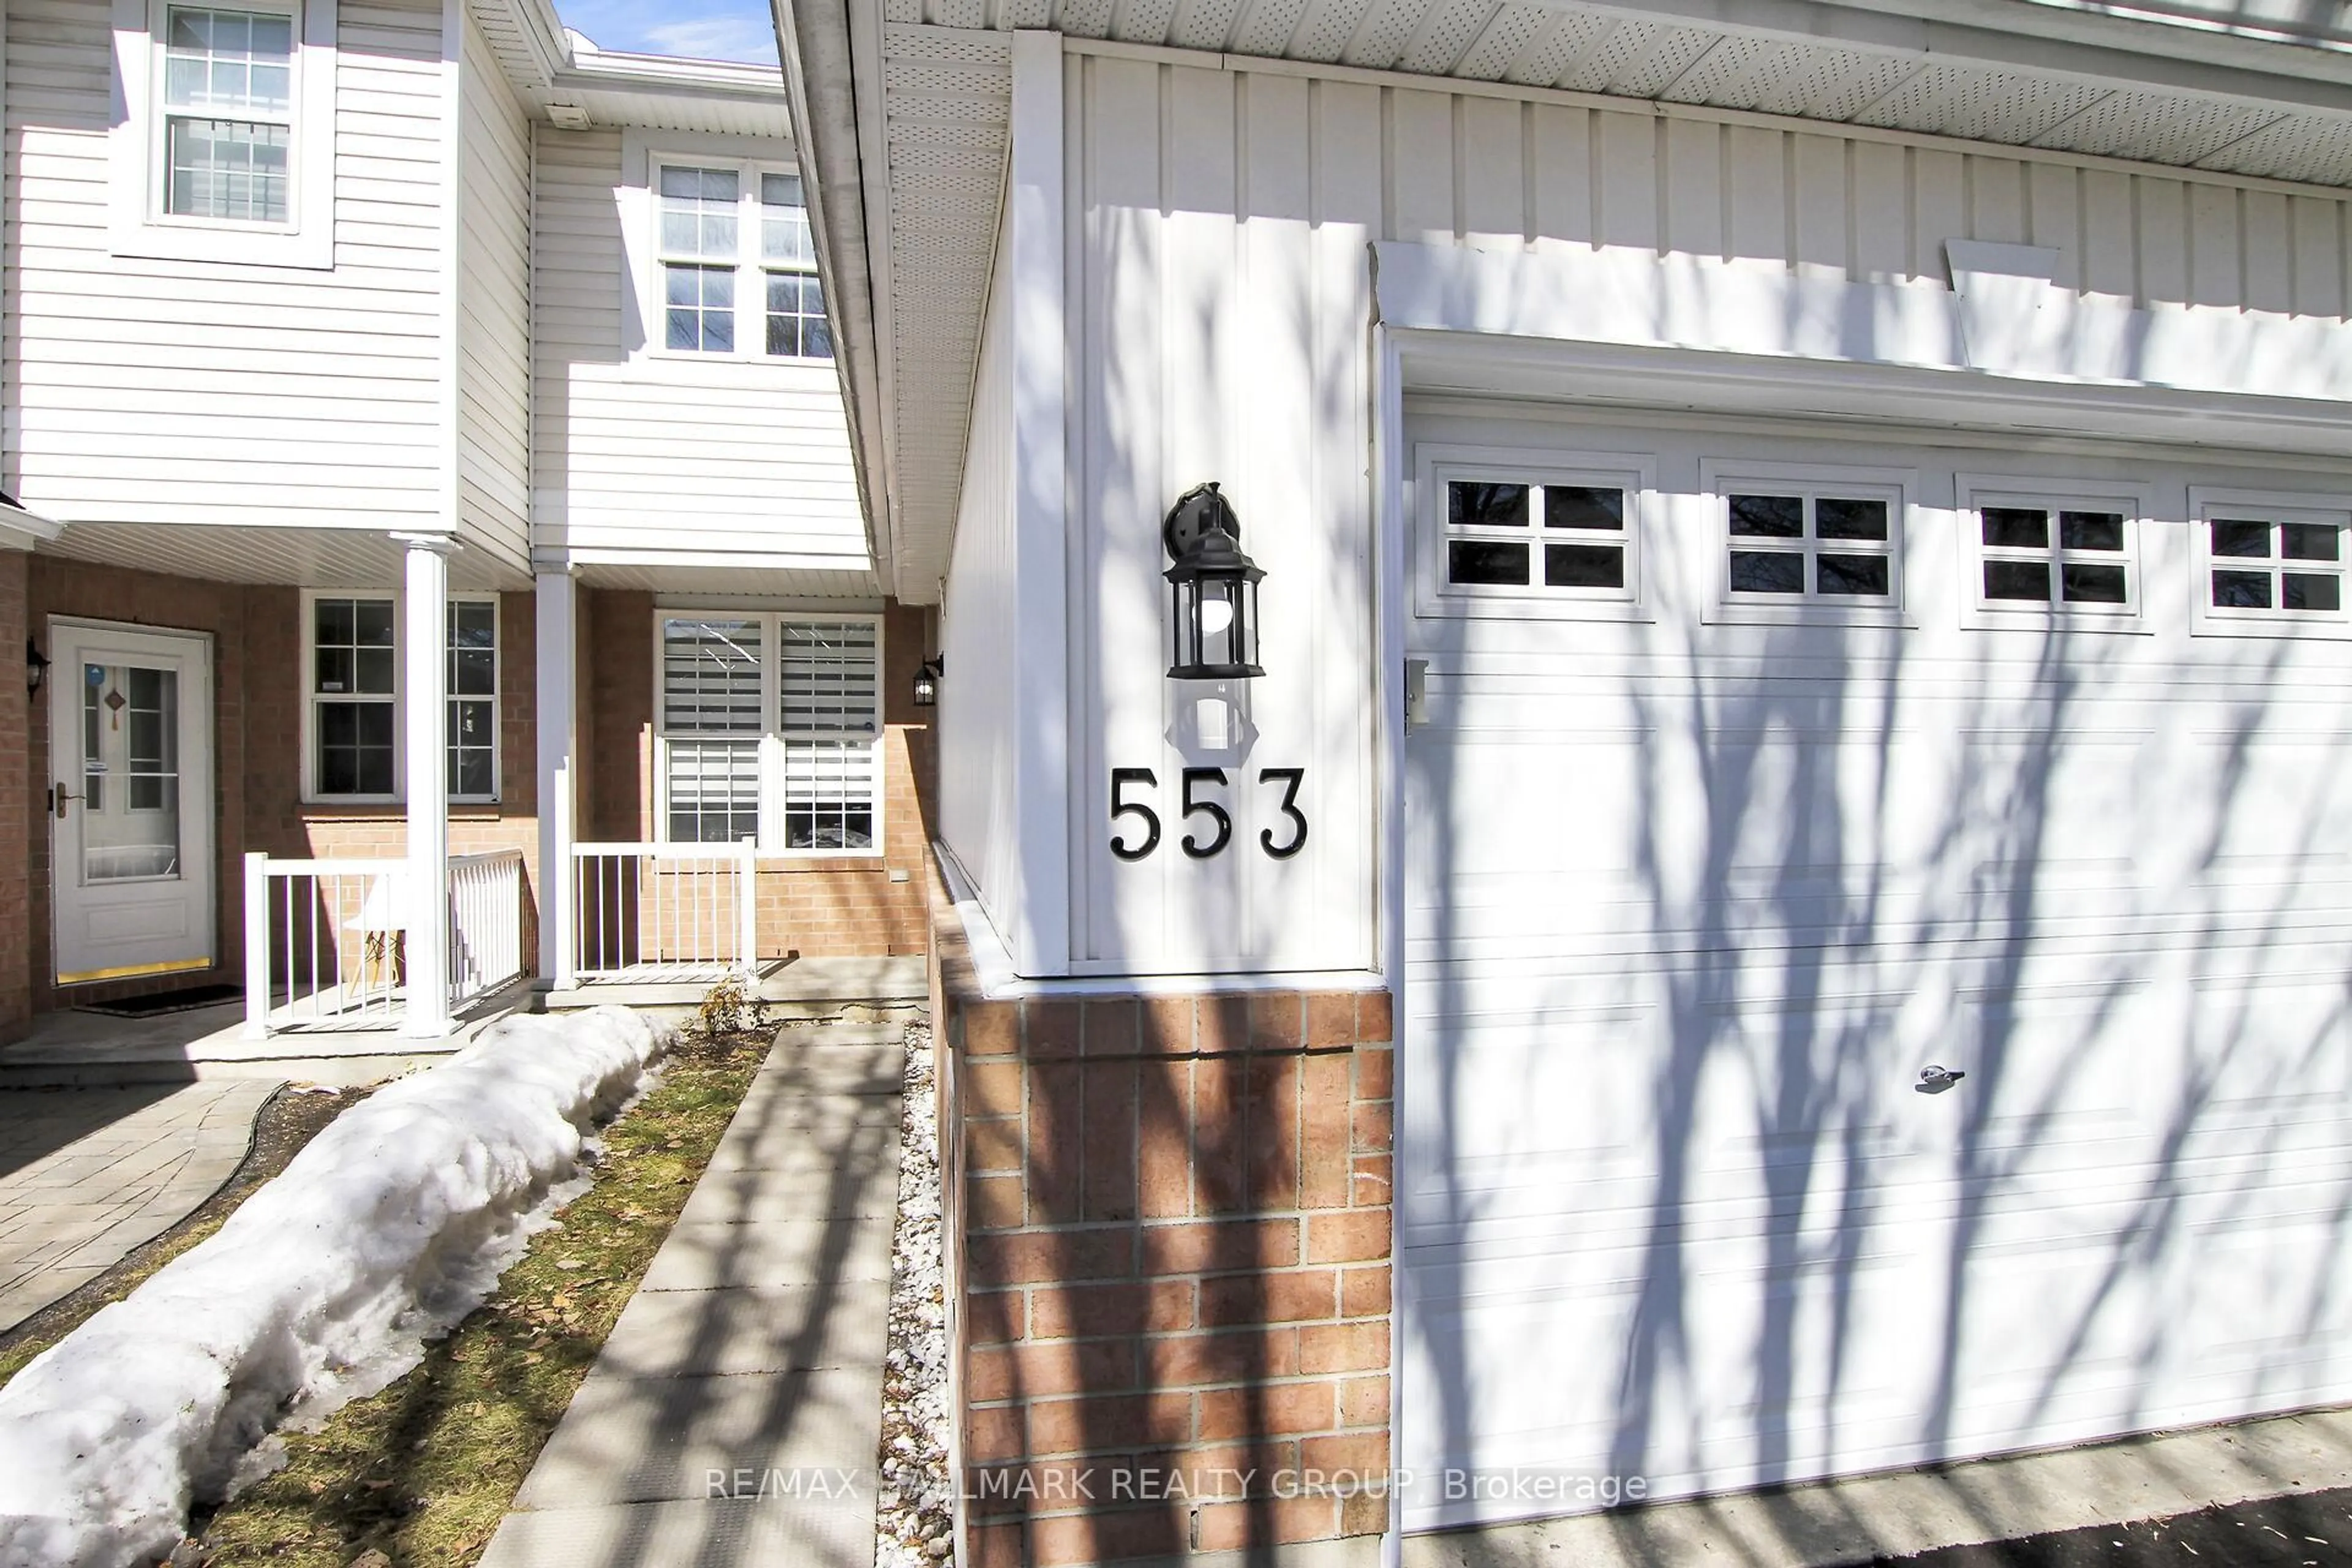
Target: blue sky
column 700, row 30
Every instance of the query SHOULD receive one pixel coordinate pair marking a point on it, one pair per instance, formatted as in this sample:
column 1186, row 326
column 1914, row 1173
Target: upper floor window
column 228, row 113
column 225, row 147
column 738, row 265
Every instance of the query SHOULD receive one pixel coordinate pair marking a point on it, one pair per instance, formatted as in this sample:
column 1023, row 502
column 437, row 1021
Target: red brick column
column 1169, row 1223
column 20, row 813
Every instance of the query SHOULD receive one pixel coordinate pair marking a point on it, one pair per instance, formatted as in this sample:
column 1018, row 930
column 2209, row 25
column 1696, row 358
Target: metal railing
column 485, row 924
column 654, row 914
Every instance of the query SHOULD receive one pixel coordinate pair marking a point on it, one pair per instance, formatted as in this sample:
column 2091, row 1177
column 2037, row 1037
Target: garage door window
column 2293, row 568
column 2034, row 553
column 1506, row 535
column 1809, row 549
column 1539, row 534
column 2268, row 569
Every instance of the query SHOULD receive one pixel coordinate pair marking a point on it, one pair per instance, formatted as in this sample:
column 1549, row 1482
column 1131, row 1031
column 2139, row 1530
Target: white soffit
column 299, row 557
column 950, row 101
column 710, row 584
column 2088, row 101
column 611, row 88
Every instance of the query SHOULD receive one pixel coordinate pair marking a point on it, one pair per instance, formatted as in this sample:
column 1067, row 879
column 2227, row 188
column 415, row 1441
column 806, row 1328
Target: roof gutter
column 21, row 528
column 813, row 37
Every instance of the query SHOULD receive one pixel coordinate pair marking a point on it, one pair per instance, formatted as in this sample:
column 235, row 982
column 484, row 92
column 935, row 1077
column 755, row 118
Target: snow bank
column 392, row 1223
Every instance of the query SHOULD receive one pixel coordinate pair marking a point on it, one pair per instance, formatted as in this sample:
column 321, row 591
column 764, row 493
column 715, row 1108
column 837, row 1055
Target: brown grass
column 423, row 1471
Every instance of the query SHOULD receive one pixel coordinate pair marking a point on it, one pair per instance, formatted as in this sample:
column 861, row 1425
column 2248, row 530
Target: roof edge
column 813, row 37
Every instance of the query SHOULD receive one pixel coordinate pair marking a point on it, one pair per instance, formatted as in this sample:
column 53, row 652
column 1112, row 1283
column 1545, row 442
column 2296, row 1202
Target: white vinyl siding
column 644, row 457
column 162, row 391
column 494, row 309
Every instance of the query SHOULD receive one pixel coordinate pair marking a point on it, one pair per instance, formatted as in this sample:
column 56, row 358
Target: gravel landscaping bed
column 913, row 1519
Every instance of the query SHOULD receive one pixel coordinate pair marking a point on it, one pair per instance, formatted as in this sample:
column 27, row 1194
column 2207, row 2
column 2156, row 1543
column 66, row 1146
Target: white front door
column 130, row 728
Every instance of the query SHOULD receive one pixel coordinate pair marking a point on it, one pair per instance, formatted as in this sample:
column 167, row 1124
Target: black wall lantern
column 1214, row 589
column 928, row 676
column 36, row 667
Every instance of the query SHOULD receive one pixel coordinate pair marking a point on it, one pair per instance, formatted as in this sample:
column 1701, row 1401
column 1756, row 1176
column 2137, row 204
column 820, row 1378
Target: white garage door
column 1755, row 772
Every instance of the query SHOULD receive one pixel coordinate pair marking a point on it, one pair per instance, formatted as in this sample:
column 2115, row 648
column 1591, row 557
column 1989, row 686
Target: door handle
column 58, row 796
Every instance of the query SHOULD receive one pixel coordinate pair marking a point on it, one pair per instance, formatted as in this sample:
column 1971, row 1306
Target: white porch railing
column 655, row 913
column 485, row 924
column 326, row 941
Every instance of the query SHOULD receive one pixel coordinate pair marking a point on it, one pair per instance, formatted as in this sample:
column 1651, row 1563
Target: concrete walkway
column 86, row 1174
column 733, row 1415
column 1854, row 1521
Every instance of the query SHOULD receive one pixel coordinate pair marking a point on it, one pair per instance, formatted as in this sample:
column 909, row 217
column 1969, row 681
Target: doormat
column 185, row 1000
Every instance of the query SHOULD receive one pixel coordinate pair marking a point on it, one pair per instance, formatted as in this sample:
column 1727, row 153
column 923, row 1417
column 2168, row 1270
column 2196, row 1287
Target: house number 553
column 1138, row 824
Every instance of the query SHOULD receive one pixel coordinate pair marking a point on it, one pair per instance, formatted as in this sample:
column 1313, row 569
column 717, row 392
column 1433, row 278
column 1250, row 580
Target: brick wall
column 839, row 905
column 1169, row 1224
column 847, row 906
column 257, row 696
column 277, row 819
column 20, row 813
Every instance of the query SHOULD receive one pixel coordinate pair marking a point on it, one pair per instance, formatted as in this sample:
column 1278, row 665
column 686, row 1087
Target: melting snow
column 393, row 1224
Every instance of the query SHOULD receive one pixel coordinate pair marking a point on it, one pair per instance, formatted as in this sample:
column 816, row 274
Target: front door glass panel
column 131, row 773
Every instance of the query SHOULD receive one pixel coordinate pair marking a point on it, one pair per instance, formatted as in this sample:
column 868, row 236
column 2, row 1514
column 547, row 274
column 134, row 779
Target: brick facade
column 838, row 906
column 845, row 906
column 1170, row 1232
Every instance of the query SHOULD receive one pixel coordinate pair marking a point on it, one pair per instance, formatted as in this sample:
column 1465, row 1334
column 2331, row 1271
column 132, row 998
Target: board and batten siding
column 176, row 392
column 639, row 457
column 1208, row 345
column 1490, row 172
column 493, row 306
column 1220, row 297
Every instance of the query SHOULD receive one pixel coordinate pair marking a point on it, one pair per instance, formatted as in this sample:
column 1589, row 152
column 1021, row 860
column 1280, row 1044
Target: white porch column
column 424, row 678
column 559, row 738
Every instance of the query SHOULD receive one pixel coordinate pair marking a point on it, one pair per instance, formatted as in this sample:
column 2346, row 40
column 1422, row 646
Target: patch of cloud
column 698, row 29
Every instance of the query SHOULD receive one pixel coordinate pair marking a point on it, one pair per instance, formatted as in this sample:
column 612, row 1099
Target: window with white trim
column 771, row 727
column 1795, row 544
column 227, row 113
column 2037, row 552
column 352, row 716
column 1513, row 533
column 737, row 262
column 1799, row 543
column 224, row 147
column 1509, row 534
column 2265, row 564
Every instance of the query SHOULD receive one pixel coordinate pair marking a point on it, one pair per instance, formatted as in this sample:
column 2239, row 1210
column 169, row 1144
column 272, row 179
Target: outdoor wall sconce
column 1214, row 589
column 928, row 676
column 36, row 667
